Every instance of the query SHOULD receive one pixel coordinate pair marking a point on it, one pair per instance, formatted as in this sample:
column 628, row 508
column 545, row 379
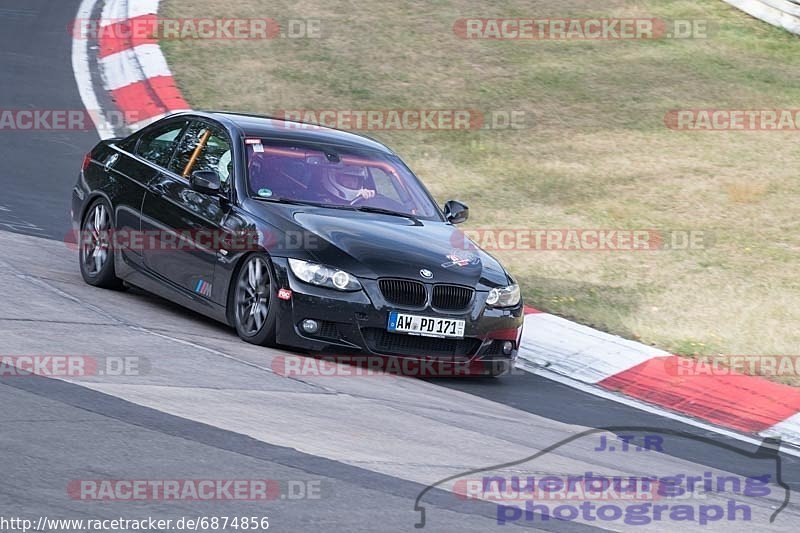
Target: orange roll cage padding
column 199, row 148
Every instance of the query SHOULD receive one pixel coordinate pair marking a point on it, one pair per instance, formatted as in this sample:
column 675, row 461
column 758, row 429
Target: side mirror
column 205, row 181
column 456, row 212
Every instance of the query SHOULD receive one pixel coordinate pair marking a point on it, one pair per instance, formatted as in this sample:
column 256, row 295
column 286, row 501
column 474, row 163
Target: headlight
column 504, row 296
column 324, row 276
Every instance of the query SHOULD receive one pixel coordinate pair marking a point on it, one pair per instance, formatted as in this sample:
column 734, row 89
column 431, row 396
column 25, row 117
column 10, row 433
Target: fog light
column 508, row 347
column 310, row 326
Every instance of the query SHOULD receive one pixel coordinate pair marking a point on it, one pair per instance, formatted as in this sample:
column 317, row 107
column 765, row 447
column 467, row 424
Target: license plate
column 426, row 325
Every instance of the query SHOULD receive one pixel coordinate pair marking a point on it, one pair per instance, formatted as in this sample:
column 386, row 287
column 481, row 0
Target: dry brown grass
column 746, row 192
column 594, row 154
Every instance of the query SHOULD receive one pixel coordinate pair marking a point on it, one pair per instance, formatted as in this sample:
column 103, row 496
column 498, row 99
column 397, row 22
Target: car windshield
column 333, row 176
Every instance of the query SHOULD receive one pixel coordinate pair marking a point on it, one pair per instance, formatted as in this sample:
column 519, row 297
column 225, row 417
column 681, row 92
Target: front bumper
column 357, row 321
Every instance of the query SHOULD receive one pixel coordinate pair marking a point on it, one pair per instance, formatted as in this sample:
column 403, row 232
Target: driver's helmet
column 346, row 182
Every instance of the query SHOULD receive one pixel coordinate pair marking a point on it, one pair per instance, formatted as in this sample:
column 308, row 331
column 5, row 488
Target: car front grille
column 384, row 342
column 451, row 297
column 412, row 293
column 403, row 292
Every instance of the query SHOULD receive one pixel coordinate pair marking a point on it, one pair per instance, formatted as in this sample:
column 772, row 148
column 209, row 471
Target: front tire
column 95, row 250
column 255, row 301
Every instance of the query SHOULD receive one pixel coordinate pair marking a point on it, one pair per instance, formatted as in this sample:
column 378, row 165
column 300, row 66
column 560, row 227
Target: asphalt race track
column 206, row 406
column 37, row 170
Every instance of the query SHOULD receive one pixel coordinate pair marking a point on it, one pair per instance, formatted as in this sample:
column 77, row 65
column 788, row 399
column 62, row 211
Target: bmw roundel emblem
column 425, row 273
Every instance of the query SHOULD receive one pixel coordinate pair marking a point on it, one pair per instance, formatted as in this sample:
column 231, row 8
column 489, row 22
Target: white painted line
column 133, row 65
column 83, row 75
column 578, row 351
column 120, row 70
column 647, row 408
column 788, row 430
column 137, row 8
column 114, row 11
column 152, row 60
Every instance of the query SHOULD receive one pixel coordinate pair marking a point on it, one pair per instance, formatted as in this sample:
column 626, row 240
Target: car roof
column 277, row 128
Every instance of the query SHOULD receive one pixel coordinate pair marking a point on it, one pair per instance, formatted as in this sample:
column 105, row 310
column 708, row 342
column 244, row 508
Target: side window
column 214, row 152
column 157, row 146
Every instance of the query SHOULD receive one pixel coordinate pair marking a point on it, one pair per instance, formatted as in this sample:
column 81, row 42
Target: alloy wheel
column 252, row 296
column 95, row 240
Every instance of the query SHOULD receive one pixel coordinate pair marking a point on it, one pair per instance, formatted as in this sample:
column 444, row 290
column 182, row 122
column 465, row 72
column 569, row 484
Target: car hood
column 372, row 245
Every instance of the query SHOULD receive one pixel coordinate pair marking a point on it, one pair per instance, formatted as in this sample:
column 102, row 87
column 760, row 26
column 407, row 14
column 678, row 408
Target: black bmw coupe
column 296, row 235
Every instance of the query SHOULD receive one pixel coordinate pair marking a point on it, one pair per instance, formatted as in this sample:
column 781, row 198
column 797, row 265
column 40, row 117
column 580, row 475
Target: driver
column 347, row 184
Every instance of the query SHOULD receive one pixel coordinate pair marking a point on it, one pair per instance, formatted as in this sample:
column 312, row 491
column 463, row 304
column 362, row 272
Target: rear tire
column 95, row 250
column 254, row 301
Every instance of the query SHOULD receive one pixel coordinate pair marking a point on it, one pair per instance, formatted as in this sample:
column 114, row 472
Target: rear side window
column 158, row 145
